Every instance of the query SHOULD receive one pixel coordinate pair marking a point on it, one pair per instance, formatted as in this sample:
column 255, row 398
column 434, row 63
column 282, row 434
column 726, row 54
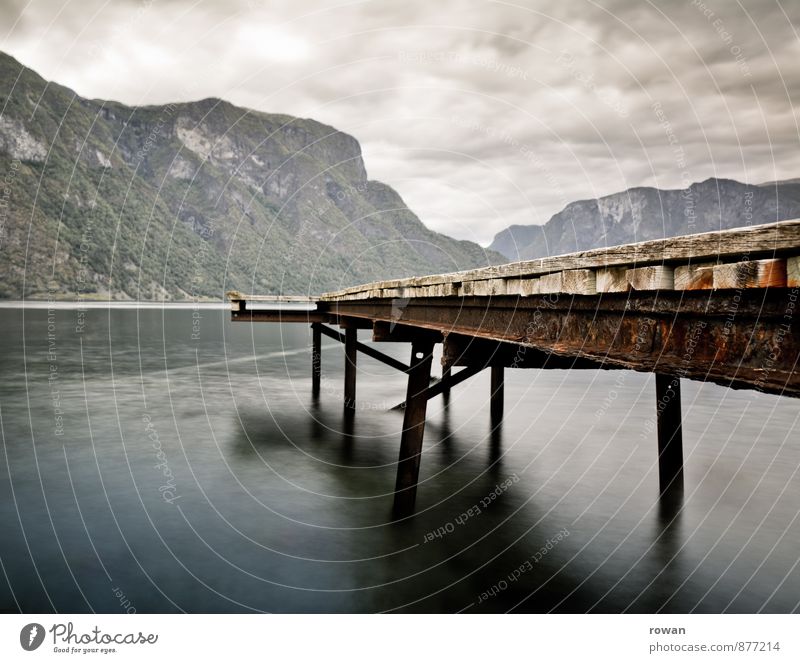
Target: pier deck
column 717, row 307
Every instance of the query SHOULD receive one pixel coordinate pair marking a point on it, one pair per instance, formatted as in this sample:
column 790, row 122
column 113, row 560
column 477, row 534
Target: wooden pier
column 718, row 307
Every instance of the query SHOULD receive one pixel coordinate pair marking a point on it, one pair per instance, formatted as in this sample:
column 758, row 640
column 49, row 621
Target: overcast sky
column 481, row 114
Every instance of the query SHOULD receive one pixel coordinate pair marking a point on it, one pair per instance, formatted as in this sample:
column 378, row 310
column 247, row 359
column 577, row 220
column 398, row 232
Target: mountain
column 187, row 200
column 644, row 213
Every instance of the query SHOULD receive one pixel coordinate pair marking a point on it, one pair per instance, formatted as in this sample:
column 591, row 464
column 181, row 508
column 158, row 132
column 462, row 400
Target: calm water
column 198, row 474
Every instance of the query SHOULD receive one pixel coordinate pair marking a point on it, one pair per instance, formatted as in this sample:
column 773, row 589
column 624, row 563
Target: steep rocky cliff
column 189, row 200
column 646, row 213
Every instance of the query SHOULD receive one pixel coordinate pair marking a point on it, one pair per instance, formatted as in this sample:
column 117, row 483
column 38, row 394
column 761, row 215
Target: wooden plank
column 611, row 279
column 580, row 282
column 695, row 276
column 522, row 287
column 654, row 277
column 755, row 241
column 551, row 283
column 751, row 274
column 487, row 287
column 413, row 428
column 793, row 272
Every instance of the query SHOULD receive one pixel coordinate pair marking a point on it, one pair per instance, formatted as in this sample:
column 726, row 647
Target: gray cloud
column 481, row 114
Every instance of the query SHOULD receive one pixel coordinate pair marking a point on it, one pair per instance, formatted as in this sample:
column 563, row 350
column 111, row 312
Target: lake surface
column 158, row 461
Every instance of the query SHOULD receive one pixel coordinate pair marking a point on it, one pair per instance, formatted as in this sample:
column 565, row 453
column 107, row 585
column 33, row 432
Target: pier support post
column 316, row 358
column 350, row 354
column 496, row 396
column 670, row 436
column 447, row 371
column 413, row 428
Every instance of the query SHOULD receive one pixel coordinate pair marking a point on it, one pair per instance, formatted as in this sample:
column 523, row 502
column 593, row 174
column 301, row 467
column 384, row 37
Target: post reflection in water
column 283, row 499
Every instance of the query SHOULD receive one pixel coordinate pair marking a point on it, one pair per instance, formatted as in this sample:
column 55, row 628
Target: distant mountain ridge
column 644, row 213
column 188, row 200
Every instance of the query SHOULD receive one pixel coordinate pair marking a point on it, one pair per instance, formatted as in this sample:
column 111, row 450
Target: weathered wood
column 751, row 274
column 551, row 283
column 793, row 272
column 316, row 358
column 236, row 296
column 611, row 279
column 695, row 276
column 644, row 331
column 670, row 436
column 755, row 241
column 392, row 332
column 413, row 428
column 443, row 386
column 308, row 317
column 350, row 357
column 654, row 277
column 579, row 282
column 496, row 394
column 365, row 349
column 522, row 287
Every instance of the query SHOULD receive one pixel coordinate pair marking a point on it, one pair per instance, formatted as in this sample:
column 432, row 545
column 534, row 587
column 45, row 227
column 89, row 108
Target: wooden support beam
column 670, row 437
column 413, row 428
column 611, row 279
column 277, row 315
column 316, row 358
column 751, row 274
column 440, row 386
column 350, row 355
column 654, row 277
column 391, row 332
column 366, row 349
column 793, row 272
column 551, row 283
column 496, row 397
column 579, row 282
column 695, row 277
